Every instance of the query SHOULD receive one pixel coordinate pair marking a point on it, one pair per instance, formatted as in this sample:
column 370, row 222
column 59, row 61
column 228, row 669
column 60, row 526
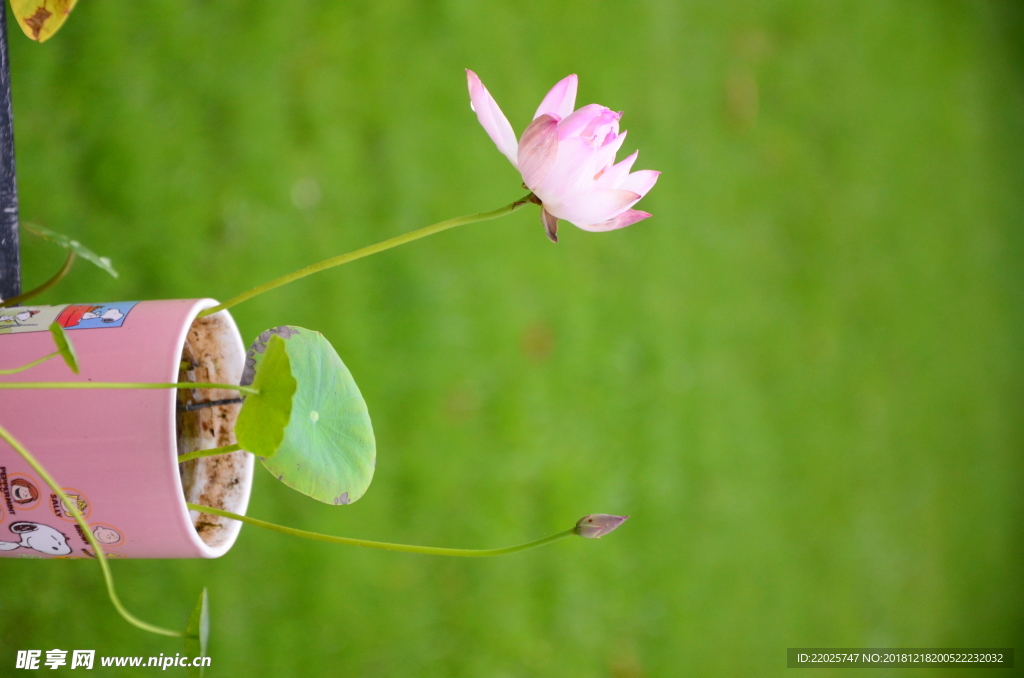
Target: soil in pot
column 211, row 355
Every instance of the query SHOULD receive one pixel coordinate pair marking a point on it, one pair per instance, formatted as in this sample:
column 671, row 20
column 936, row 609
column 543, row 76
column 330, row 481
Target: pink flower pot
column 114, row 452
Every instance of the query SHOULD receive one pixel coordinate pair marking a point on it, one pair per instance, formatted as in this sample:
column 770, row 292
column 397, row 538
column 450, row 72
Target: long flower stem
column 407, row 548
column 15, row 370
column 101, row 558
column 117, row 385
column 189, row 456
column 367, row 251
column 45, row 286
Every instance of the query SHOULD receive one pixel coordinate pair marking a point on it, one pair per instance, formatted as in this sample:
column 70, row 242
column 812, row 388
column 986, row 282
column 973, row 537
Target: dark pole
column 10, row 258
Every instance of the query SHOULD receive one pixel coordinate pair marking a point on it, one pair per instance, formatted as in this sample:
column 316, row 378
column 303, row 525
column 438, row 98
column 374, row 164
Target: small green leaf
column 198, row 633
column 328, row 451
column 73, row 245
column 264, row 416
column 67, row 351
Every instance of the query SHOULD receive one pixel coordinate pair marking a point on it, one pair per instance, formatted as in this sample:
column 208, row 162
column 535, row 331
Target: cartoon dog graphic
column 74, row 314
column 111, row 315
column 37, row 537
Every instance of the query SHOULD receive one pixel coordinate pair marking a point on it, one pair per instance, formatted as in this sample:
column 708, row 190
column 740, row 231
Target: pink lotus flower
column 567, row 159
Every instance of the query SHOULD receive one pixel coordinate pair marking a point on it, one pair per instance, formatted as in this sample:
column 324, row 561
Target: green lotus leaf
column 71, row 244
column 67, row 351
column 264, row 416
column 197, row 634
column 328, row 451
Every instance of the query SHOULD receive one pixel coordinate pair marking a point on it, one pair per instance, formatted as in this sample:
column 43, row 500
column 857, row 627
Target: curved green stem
column 116, row 385
column 189, row 456
column 101, row 558
column 407, row 548
column 367, row 251
column 15, row 370
column 45, row 286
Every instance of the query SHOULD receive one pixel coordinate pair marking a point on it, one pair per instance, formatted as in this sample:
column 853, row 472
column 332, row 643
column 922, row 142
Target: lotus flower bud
column 598, row 525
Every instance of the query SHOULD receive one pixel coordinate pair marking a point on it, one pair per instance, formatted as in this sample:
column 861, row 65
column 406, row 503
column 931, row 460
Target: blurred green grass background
column 802, row 377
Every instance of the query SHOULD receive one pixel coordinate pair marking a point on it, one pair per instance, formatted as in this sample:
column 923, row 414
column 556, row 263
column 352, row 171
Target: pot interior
column 212, row 353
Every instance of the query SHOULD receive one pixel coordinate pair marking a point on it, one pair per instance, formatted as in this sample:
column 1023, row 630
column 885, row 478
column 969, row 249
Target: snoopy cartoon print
column 91, row 316
column 111, row 315
column 37, row 537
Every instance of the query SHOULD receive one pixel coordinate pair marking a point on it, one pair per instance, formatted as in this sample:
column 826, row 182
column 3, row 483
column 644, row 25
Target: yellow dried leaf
column 40, row 19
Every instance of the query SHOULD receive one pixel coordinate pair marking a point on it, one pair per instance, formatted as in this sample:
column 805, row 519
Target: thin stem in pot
column 13, row 301
column 40, row 361
column 116, row 385
column 208, row 453
column 42, row 288
column 101, row 558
